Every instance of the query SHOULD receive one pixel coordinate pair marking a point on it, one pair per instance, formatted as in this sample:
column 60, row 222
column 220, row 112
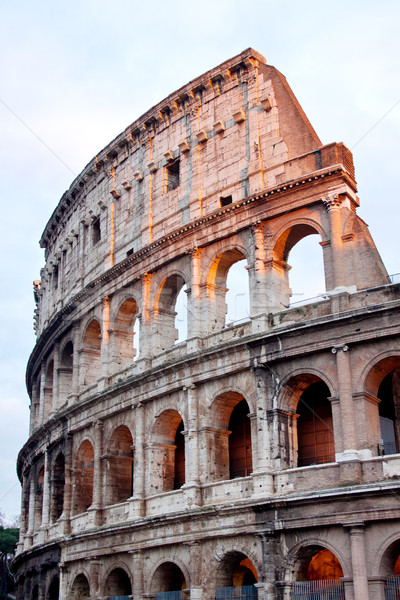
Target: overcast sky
column 75, row 74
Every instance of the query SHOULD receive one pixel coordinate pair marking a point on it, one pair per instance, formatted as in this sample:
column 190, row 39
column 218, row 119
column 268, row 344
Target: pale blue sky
column 77, row 73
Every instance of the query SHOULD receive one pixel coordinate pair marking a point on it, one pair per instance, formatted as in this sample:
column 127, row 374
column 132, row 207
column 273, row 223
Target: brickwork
column 259, row 453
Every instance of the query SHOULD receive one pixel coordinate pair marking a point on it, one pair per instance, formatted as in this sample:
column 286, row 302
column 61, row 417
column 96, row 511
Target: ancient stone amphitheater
column 243, row 459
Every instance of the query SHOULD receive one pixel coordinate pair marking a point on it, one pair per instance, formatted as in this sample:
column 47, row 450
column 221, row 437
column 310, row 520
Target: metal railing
column 128, row 597
column 388, row 448
column 392, row 587
column 329, row 589
column 174, row 595
column 245, row 592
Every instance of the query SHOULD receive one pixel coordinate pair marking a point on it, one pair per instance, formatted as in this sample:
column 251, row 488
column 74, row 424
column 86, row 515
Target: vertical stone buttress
column 358, row 562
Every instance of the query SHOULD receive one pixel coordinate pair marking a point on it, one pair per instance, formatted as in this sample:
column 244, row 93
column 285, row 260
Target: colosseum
column 200, row 458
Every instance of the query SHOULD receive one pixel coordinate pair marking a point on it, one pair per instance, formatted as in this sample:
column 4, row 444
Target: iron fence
column 329, row 589
column 245, row 592
column 392, row 587
column 174, row 595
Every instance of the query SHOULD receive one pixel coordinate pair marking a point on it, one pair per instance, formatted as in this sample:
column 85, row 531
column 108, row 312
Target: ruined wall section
column 221, row 138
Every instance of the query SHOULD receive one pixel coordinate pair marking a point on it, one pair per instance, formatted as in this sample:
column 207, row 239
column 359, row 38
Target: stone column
column 94, row 569
column 358, row 561
column 332, row 204
column 137, row 570
column 75, row 365
column 42, row 393
column 194, row 296
column 56, row 366
column 145, row 320
column 68, row 482
column 97, row 474
column 63, row 582
column 263, row 431
column 139, row 460
column 257, row 272
column 46, row 491
column 24, row 515
column 105, row 339
column 195, row 557
column 192, row 485
column 346, row 405
column 31, row 514
column 267, row 590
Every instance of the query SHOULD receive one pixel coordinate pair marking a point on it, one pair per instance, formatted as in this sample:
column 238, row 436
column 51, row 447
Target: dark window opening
column 130, row 252
column 240, row 458
column 55, row 277
column 315, row 426
column 96, row 231
column 179, row 478
column 172, row 175
column 225, row 201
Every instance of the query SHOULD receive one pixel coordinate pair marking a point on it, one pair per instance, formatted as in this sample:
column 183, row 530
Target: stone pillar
column 75, row 365
column 97, row 474
column 358, row 562
column 139, row 460
column 56, row 365
column 194, row 296
column 68, row 482
column 35, row 407
column 337, row 270
column 31, row 517
column 145, row 320
column 42, row 583
column 195, row 561
column 42, row 393
column 105, row 339
column 24, row 513
column 267, row 590
column 137, row 570
column 192, row 485
column 63, row 594
column 46, row 491
column 257, row 272
column 94, row 570
column 350, row 465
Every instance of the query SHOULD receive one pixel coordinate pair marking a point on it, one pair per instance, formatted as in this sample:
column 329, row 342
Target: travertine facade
column 262, row 454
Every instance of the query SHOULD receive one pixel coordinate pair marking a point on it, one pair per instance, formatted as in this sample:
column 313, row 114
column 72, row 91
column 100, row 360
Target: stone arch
column 39, row 496
column 305, row 416
column 83, row 477
column 91, row 353
column 315, row 560
column 215, row 283
column 164, row 314
column 35, row 407
column 118, row 582
column 119, row 468
column 279, row 248
column 382, row 389
column 65, row 371
column 80, row 588
column 230, row 437
column 167, row 452
column 57, row 487
column 48, row 390
column 124, row 344
column 387, row 557
column 169, row 576
column 235, row 569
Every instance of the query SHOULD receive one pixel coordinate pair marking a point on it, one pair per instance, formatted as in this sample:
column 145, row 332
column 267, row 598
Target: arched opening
column 35, row 407
column 84, row 470
column 35, row 592
column 240, row 457
column 166, row 331
column 65, row 372
column 315, row 441
column 224, row 305
column 278, row 283
column 390, row 568
column 167, row 453
column 124, row 338
column 91, row 353
column 54, row 589
column 229, row 438
column 120, row 466
column 39, row 498
column 118, row 584
column 48, row 390
column 389, row 408
column 181, row 318
column 383, row 383
column 168, row 582
column 236, row 577
column 58, row 483
column 306, row 274
column 80, row 589
column 237, row 294
column 319, row 572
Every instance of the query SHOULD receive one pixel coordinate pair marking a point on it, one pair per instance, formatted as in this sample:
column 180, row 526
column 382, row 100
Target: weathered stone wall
column 237, row 455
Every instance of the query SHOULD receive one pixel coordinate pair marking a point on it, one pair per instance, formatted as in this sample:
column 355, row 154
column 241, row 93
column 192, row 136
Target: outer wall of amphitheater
column 243, row 459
